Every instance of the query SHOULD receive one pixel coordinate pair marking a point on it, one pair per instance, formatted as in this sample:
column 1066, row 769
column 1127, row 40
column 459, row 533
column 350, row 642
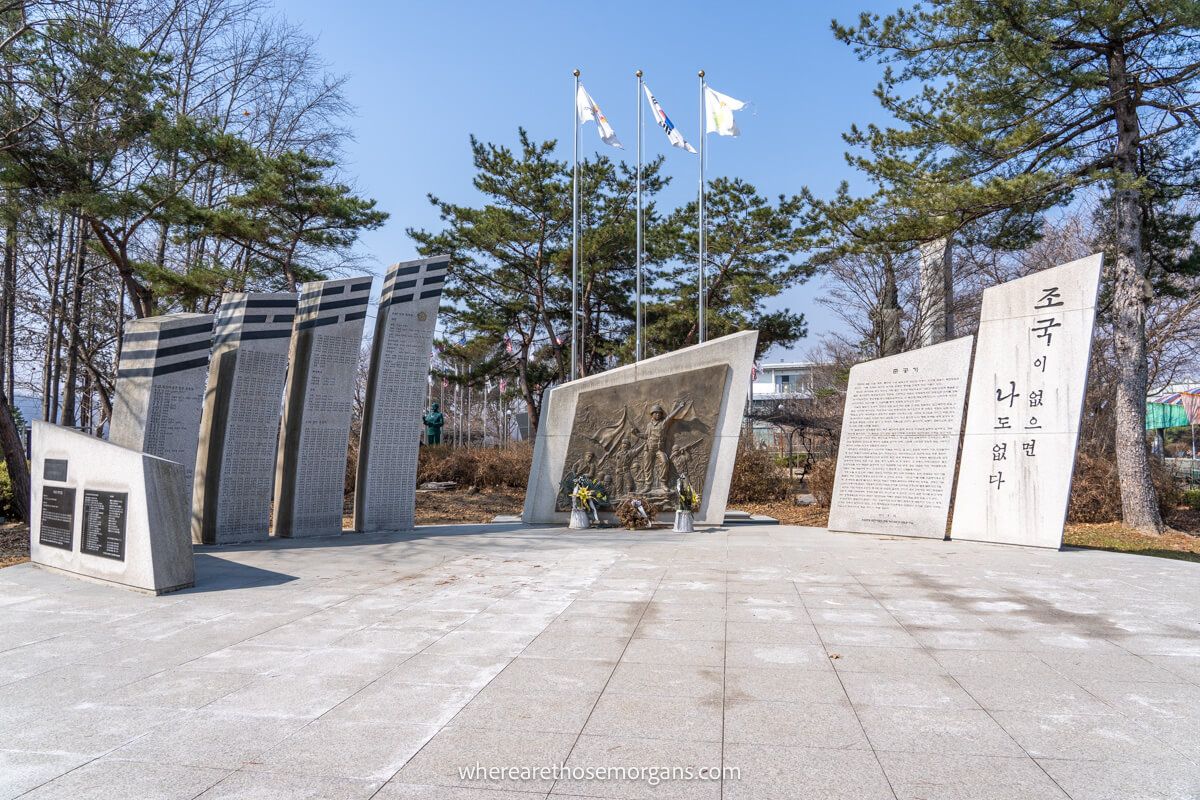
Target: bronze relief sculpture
column 640, row 438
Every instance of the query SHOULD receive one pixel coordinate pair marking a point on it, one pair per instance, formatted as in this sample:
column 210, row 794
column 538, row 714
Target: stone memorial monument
column 235, row 461
column 160, row 387
column 900, row 432
column 385, row 489
column 637, row 430
column 108, row 513
column 1027, row 388
column 310, row 461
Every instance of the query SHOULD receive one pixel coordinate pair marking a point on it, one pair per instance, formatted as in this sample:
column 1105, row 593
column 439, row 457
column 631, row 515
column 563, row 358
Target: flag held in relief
column 590, row 112
column 673, row 136
column 718, row 112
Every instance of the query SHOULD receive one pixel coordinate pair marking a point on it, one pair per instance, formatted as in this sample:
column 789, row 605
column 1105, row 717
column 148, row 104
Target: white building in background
column 774, row 383
column 785, row 379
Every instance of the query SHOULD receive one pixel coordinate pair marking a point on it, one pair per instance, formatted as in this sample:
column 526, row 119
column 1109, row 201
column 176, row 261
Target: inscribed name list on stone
column 310, row 463
column 235, row 460
column 160, row 387
column 900, row 432
column 385, row 490
column 1027, row 388
column 104, row 524
column 640, row 438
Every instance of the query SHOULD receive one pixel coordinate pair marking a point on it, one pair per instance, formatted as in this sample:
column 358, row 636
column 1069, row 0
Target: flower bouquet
column 687, row 502
column 584, row 497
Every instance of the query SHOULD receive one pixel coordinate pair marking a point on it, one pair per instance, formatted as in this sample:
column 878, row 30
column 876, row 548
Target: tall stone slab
column 160, row 387
column 638, row 429
column 900, row 432
column 385, row 489
column 235, row 460
column 108, row 513
column 1027, row 389
column 310, row 461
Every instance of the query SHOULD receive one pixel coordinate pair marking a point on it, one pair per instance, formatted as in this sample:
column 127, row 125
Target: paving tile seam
column 862, row 728
column 612, row 671
column 450, row 721
column 724, row 675
column 1007, row 732
column 441, row 562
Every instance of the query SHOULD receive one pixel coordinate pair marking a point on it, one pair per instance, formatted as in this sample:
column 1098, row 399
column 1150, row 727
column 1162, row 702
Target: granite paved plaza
column 818, row 665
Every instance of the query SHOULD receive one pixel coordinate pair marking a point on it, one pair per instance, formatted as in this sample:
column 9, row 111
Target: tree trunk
column 10, row 307
column 55, row 278
column 69, row 387
column 1131, row 296
column 14, row 458
column 527, row 391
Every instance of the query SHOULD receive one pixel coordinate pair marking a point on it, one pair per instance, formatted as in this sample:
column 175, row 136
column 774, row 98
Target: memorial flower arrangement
column 686, row 498
column 637, row 513
column 586, row 495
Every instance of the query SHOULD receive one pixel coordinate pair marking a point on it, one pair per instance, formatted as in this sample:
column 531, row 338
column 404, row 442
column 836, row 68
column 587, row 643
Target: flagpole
column 639, row 346
column 702, row 302
column 575, row 229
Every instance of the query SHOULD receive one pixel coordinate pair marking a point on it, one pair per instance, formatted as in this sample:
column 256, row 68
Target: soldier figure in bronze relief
column 654, row 454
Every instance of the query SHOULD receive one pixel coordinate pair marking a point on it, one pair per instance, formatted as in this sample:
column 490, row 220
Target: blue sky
column 424, row 76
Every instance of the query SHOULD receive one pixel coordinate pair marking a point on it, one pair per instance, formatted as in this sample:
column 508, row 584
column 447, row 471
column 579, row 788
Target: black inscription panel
column 54, row 469
column 58, row 517
column 104, row 524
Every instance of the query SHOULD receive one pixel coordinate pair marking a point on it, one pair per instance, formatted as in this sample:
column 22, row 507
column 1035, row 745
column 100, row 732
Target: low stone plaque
column 132, row 528
column 900, row 433
column 55, row 469
column 104, row 524
column 58, row 517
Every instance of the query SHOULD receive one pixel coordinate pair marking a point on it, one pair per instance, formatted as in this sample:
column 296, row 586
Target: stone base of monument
column 107, row 513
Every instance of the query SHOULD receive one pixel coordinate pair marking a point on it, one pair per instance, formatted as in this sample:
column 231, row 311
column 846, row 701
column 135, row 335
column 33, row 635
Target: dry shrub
column 628, row 516
column 756, row 476
column 1096, row 489
column 820, row 480
column 503, row 467
column 485, row 468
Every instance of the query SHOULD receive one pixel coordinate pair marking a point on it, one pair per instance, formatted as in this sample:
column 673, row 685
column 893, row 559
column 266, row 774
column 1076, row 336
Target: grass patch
column 1117, row 538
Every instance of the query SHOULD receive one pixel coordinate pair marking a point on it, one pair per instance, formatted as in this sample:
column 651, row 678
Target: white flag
column 673, row 136
column 718, row 112
column 590, row 112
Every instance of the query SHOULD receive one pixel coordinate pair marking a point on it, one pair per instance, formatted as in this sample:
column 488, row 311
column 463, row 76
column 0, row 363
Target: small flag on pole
column 508, row 348
column 754, row 368
column 503, row 385
column 673, row 136
column 590, row 112
column 718, row 112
